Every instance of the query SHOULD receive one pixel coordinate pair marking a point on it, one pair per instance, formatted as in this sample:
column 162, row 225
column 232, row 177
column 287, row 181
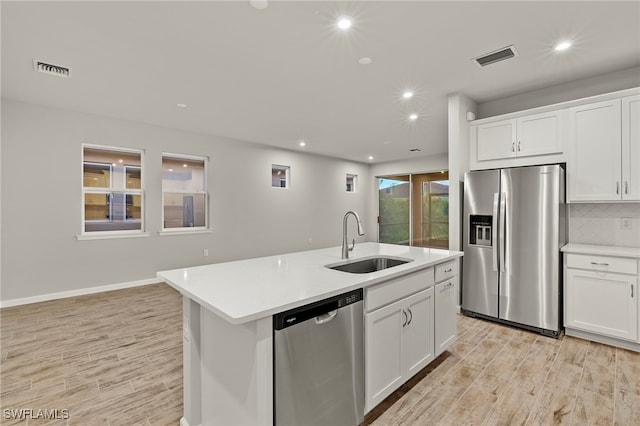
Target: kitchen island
column 228, row 329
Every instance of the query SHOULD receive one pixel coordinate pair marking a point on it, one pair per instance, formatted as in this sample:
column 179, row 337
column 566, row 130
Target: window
column 351, row 182
column 184, row 192
column 111, row 190
column 279, row 176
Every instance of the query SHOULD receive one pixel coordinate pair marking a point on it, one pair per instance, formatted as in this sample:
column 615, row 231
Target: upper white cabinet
column 631, row 148
column 540, row 134
column 604, row 147
column 531, row 135
column 496, row 140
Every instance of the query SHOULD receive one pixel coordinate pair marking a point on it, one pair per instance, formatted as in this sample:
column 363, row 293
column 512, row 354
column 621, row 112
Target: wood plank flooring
column 115, row 358
column 111, row 358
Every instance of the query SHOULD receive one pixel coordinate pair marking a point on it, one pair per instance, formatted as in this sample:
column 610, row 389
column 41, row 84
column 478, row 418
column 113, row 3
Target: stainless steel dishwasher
column 319, row 363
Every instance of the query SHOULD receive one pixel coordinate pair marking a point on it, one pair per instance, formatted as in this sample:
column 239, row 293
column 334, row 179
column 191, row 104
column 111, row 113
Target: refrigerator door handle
column 502, row 231
column 494, row 225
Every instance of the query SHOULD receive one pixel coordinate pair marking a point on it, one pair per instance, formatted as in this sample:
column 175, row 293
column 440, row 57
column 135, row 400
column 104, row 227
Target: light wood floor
column 116, row 359
column 112, row 358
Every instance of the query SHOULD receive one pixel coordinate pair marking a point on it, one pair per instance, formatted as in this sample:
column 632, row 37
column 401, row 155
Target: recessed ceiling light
column 563, row 45
column 170, row 170
column 181, row 105
column 344, row 23
column 184, row 165
column 370, row 157
column 386, row 142
column 365, row 60
column 259, row 4
column 413, row 117
column 407, row 95
column 302, row 143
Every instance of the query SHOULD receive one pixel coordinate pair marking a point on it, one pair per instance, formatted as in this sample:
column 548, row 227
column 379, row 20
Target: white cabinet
column 399, row 343
column 631, row 148
column 496, row 140
column 594, row 152
column 399, row 333
column 445, row 318
column 531, row 135
column 601, row 296
column 604, row 144
column 418, row 332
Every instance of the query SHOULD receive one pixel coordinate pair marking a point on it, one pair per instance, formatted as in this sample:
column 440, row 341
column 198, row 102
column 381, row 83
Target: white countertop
column 633, row 252
column 247, row 290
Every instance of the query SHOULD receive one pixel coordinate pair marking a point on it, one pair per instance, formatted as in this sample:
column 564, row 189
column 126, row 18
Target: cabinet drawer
column 446, row 271
column 396, row 289
column 602, row 263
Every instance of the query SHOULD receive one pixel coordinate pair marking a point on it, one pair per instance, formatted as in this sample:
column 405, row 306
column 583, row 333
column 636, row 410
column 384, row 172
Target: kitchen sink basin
column 369, row 264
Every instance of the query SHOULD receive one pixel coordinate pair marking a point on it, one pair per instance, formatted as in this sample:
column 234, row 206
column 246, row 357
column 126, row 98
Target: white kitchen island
column 228, row 330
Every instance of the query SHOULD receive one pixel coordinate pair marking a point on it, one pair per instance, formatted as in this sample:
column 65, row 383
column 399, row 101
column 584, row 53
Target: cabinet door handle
column 405, row 318
column 626, row 187
column 632, row 291
column 617, row 187
column 513, row 147
column 411, row 317
column 519, row 146
column 446, row 286
column 599, row 264
column 448, row 270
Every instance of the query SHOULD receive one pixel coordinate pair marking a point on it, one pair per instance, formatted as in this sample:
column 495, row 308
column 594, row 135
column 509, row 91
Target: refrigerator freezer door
column 480, row 279
column 530, row 273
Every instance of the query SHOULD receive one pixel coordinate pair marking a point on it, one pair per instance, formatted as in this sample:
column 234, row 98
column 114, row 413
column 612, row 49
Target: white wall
column 41, row 202
column 611, row 82
column 424, row 164
column 458, row 106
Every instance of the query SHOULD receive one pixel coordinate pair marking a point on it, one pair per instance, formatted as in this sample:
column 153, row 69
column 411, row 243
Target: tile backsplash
column 600, row 224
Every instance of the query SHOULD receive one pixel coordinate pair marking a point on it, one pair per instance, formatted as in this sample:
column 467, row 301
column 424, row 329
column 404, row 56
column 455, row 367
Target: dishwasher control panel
column 303, row 313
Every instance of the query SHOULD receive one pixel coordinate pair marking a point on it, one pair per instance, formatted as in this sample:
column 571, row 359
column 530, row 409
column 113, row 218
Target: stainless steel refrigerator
column 514, row 227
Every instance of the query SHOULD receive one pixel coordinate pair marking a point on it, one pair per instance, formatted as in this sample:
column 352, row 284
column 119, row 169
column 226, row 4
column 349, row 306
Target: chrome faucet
column 345, row 245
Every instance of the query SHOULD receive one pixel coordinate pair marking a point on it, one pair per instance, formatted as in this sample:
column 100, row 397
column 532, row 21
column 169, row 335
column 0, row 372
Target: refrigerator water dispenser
column 481, row 233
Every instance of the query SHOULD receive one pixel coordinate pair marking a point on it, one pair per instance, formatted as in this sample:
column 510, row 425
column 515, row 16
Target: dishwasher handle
column 325, row 318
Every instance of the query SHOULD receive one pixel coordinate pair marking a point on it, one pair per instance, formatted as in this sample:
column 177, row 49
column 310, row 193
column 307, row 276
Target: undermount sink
column 369, row 264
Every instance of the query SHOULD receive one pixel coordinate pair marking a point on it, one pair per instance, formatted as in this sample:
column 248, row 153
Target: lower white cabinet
column 399, row 342
column 602, row 302
column 601, row 295
column 445, row 314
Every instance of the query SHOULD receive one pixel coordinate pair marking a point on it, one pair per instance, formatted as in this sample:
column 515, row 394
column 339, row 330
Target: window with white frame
column 279, row 176
column 351, row 182
column 112, row 192
column 184, row 192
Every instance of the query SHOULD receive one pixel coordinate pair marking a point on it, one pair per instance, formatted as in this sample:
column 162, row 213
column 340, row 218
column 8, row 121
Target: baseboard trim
column 73, row 293
column 611, row 341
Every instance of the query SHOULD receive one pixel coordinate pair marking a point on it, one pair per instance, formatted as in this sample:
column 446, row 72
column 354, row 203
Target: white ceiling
column 284, row 74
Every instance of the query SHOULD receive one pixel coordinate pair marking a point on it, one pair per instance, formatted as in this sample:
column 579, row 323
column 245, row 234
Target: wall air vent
column 51, row 69
column 496, row 56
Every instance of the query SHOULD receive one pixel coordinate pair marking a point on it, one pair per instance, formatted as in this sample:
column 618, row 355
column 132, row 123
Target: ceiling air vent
column 51, row 69
column 496, row 56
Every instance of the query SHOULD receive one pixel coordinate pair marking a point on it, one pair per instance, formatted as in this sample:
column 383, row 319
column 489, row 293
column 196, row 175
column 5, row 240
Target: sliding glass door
column 414, row 209
column 393, row 218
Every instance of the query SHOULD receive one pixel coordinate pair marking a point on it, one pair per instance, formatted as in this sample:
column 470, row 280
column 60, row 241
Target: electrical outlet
column 205, row 252
column 625, row 223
